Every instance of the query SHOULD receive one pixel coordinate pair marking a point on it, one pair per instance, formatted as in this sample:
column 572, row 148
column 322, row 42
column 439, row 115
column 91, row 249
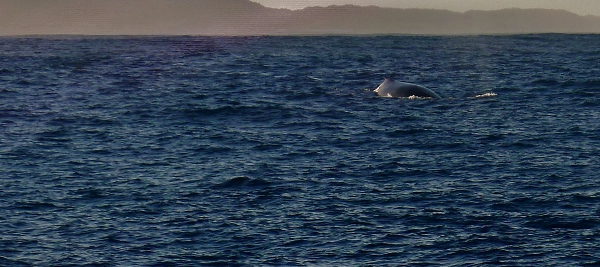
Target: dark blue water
column 274, row 151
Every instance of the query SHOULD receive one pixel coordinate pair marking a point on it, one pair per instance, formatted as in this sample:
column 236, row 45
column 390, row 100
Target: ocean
column 275, row 151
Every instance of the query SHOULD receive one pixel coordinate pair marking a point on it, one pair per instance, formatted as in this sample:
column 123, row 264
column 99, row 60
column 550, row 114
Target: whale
column 392, row 88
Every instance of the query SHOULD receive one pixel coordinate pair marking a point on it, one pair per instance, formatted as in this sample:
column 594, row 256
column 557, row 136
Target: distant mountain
column 370, row 20
column 244, row 17
column 133, row 17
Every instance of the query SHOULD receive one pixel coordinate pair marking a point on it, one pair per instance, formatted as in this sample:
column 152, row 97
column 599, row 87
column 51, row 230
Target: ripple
column 230, row 151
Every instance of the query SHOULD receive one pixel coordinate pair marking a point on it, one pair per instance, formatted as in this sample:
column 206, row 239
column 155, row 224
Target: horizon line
column 75, row 35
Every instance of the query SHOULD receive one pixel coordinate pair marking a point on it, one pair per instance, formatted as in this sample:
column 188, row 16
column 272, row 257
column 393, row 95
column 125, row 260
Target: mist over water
column 275, row 151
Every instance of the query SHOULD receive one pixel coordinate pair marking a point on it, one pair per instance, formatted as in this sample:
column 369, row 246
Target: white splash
column 490, row 94
column 412, row 97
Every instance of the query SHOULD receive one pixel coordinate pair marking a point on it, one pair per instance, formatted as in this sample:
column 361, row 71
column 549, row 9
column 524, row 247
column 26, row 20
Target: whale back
column 392, row 88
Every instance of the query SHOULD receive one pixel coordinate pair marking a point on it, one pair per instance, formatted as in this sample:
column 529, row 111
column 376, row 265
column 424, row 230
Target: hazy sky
column 582, row 7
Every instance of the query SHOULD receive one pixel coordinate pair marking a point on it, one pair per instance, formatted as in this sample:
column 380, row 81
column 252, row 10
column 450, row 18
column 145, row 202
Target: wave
column 550, row 222
column 242, row 181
